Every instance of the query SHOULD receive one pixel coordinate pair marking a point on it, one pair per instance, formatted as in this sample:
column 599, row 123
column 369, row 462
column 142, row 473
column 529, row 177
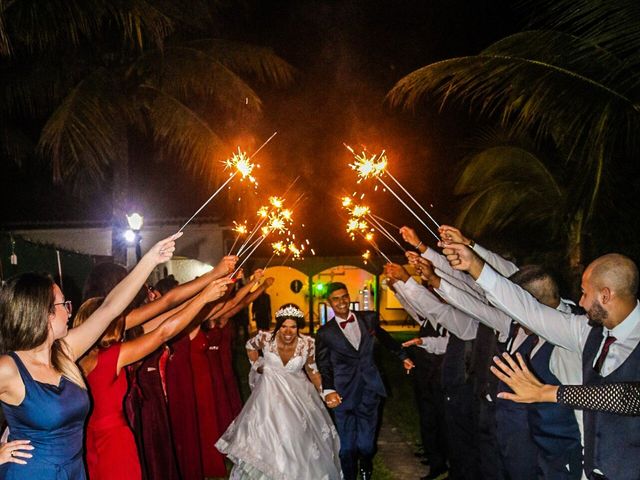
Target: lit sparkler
column 240, row 229
column 375, row 166
column 241, row 165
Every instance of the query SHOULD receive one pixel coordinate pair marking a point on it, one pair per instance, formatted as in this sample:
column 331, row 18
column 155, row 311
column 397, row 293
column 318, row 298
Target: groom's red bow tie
column 351, row 318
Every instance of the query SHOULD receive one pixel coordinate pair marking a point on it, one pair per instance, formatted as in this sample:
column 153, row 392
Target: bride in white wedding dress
column 284, row 431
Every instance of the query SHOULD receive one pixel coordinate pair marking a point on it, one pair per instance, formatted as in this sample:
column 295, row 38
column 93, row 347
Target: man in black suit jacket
column 351, row 381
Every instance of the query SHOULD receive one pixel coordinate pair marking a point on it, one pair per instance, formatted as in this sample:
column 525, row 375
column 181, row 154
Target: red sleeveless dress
column 111, row 448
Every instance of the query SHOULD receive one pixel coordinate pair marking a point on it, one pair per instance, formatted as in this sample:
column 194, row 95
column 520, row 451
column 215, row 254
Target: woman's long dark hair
column 26, row 301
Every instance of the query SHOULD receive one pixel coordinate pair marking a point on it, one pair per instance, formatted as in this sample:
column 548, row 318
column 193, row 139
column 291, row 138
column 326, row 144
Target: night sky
column 348, row 55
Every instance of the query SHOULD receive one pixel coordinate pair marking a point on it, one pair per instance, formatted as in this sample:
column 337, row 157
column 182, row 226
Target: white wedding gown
column 284, row 431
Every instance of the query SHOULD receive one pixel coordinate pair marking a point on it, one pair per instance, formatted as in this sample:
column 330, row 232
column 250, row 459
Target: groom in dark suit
column 351, row 381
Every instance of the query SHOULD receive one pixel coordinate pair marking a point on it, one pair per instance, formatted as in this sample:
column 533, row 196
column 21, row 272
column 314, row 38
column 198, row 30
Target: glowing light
column 263, row 211
column 129, row 236
column 346, row 201
column 276, row 202
column 360, row 211
column 294, row 250
column 368, row 167
column 240, row 228
column 242, row 165
column 279, row 248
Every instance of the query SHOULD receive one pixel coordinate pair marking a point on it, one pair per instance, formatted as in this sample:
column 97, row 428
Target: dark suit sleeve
column 383, row 336
column 323, row 360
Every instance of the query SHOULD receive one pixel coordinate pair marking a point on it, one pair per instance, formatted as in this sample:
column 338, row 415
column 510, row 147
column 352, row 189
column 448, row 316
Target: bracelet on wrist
column 472, row 244
column 418, row 245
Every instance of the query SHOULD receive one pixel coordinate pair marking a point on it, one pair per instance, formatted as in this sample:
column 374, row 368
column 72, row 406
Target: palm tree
column 572, row 80
column 98, row 73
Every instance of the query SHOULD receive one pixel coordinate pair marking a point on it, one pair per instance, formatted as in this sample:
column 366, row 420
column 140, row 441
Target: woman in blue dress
column 42, row 393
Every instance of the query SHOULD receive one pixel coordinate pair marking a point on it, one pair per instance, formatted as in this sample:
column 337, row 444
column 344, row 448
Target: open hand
column 526, row 387
column 13, row 451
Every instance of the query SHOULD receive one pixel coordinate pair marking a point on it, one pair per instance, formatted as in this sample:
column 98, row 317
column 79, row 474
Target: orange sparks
column 242, row 165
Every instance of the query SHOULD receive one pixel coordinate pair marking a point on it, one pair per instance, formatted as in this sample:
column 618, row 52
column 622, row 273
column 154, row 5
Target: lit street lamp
column 132, row 235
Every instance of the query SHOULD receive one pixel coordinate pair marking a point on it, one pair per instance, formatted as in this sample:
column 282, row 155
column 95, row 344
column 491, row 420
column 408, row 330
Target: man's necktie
column 603, row 354
column 347, row 321
column 512, row 336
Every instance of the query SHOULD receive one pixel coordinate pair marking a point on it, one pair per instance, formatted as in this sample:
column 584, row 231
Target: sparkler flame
column 279, row 248
column 277, row 202
column 240, row 228
column 242, row 164
column 294, row 250
column 368, row 167
column 360, row 211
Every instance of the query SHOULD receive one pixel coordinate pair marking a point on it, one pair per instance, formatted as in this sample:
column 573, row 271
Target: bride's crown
column 290, row 311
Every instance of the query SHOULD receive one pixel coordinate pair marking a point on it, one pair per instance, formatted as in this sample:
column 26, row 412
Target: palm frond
column 180, row 131
column 504, row 206
column 183, row 72
column 141, row 23
column 504, row 164
column 5, row 44
column 508, row 187
column 248, row 59
column 85, row 130
column 39, row 26
column 612, row 25
column 569, row 53
column 187, row 13
column 35, row 88
column 530, row 95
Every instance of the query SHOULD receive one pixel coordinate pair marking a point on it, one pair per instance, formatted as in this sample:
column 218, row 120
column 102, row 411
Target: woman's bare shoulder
column 8, row 372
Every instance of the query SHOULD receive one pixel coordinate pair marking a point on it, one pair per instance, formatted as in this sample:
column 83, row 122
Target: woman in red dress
column 111, row 450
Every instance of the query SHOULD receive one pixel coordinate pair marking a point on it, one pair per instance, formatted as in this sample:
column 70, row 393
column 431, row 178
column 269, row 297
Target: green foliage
column 572, row 82
column 99, row 73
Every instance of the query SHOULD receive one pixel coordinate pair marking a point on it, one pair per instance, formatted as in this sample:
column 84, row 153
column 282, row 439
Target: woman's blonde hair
column 114, row 331
column 26, row 301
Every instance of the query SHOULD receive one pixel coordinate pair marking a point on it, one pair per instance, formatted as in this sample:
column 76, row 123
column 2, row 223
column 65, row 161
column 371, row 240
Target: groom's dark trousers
column 353, row 374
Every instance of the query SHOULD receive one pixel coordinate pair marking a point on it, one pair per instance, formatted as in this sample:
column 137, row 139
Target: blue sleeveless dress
column 53, row 418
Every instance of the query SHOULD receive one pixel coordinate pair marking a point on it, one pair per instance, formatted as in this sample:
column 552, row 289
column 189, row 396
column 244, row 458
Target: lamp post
column 133, row 236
